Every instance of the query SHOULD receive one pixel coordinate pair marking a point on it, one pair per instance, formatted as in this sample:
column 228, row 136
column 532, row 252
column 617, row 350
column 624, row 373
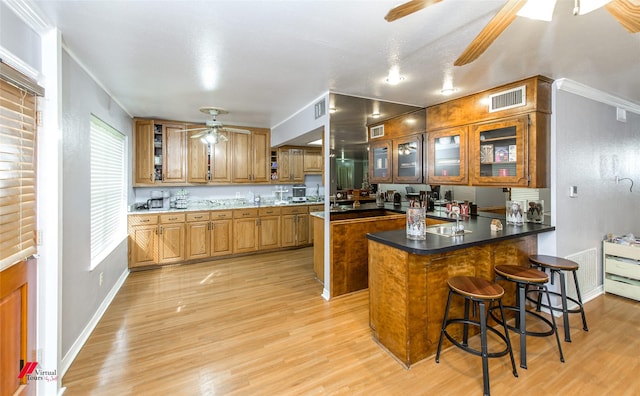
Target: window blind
column 108, row 189
column 17, row 174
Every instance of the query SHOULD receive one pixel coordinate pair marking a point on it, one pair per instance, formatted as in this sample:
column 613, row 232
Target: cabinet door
column 261, row 146
column 297, row 165
column 143, row 160
column 242, row 158
column 380, row 168
column 245, row 235
column 302, row 229
column 284, row 166
column 499, row 152
column 221, row 237
column 269, row 232
column 197, row 242
column 174, row 154
column 171, row 244
column 312, row 161
column 407, row 159
column 447, row 156
column 220, row 166
column 143, row 243
column 288, row 230
column 197, row 159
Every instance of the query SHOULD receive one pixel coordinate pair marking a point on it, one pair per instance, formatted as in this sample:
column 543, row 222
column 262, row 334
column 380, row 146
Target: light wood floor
column 258, row 326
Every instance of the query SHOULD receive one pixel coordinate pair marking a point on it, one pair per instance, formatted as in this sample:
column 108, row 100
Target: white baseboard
column 325, row 294
column 66, row 361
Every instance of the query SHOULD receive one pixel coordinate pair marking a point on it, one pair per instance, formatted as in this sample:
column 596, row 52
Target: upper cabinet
column 160, row 152
column 396, row 149
column 290, row 165
column 208, row 163
column 447, row 156
column 503, row 136
column 251, row 156
column 313, row 163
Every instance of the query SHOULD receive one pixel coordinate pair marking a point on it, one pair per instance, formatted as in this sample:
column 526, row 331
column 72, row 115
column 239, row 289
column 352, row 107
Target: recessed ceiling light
column 447, row 91
column 394, row 76
column 332, row 109
column 315, row 143
column 375, row 115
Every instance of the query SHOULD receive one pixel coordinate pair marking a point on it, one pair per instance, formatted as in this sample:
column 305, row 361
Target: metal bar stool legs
column 476, row 291
column 559, row 266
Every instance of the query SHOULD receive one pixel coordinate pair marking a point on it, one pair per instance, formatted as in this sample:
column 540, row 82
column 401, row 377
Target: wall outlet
column 100, row 279
column 573, row 191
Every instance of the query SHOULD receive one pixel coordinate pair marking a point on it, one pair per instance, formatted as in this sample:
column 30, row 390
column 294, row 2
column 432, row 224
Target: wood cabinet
column 245, row 230
column 447, row 156
column 251, row 157
column 198, row 240
column 208, row 163
column 380, row 160
column 18, row 309
column 508, row 145
column 313, row 208
column 268, row 228
column 143, row 240
column 295, row 226
column 407, row 159
column 290, row 165
column 171, row 245
column 313, row 162
column 160, row 152
column 221, row 233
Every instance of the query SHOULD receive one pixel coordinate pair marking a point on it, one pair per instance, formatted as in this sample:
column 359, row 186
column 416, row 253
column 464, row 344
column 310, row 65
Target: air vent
column 376, row 131
column 320, row 109
column 508, row 99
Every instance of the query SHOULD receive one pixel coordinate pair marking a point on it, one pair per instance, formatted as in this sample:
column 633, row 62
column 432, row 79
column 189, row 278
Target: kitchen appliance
column 397, row 198
column 299, row 193
column 159, row 200
column 155, row 203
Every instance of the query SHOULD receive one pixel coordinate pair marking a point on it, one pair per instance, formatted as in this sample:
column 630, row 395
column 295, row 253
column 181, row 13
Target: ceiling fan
column 626, row 12
column 214, row 131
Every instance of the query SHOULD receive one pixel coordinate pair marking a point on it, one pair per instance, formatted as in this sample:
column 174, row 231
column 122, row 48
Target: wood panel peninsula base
column 408, row 284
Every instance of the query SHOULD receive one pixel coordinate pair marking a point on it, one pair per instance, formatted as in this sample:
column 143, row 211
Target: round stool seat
column 521, row 274
column 476, row 288
column 553, row 262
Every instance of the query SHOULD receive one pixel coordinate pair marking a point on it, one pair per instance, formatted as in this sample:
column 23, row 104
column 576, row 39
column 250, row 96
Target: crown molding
column 29, row 12
column 574, row 87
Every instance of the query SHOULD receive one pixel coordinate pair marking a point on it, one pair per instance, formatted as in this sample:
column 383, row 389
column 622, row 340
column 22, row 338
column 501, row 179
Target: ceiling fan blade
column 199, row 134
column 195, row 129
column 236, row 130
column 627, row 13
column 494, row 28
column 408, row 8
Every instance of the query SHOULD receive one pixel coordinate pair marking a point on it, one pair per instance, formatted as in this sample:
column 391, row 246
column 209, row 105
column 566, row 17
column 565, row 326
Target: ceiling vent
column 508, row 99
column 377, row 131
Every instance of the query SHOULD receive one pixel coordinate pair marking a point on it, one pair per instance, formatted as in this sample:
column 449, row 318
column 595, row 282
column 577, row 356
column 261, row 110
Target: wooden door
column 197, row 160
column 171, row 244
column 288, row 230
column 269, row 232
column 380, row 162
column 302, row 229
column 242, row 158
column 174, row 153
column 245, row 237
column 407, row 159
column 284, row 166
column 221, row 237
column 261, row 142
column 447, row 156
column 297, row 165
column 198, row 241
column 143, row 245
column 143, row 153
column 220, row 162
column 312, row 161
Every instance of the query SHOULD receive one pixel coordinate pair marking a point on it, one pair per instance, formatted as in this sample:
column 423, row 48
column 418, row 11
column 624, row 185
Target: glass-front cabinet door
column 407, row 159
column 447, row 162
column 380, row 162
column 499, row 152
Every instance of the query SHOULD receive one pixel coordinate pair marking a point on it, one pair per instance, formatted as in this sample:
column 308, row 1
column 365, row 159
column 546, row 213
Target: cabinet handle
column 144, row 220
column 197, row 217
column 173, row 218
column 151, row 176
column 160, row 231
column 246, row 214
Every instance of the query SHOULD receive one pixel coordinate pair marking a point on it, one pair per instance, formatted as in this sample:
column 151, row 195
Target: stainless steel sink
column 341, row 208
column 445, row 230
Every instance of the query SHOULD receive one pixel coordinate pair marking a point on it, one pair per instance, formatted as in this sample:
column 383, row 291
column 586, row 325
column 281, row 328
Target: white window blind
column 108, row 189
column 17, row 174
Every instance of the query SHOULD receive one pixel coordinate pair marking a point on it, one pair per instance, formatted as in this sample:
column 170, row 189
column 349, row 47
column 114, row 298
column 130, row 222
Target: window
column 108, row 189
column 17, row 172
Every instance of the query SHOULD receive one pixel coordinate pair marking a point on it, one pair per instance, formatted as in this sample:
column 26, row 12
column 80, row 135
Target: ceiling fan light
column 541, row 10
column 211, row 138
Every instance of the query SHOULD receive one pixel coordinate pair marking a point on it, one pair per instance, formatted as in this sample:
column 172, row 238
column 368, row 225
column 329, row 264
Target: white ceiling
column 264, row 60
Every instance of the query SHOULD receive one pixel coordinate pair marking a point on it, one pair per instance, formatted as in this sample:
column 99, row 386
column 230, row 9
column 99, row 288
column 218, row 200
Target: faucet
column 458, row 227
column 335, row 201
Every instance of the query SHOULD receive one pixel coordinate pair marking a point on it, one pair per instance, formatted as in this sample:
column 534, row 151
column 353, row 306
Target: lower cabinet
column 295, row 226
column 221, row 233
column 269, row 228
column 209, row 234
column 143, row 240
column 245, row 230
column 171, row 245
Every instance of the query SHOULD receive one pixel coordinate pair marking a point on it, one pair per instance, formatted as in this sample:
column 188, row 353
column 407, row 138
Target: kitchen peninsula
column 408, row 279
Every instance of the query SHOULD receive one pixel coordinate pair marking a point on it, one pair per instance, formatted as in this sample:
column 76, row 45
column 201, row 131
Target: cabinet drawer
column 622, row 288
column 269, row 211
column 221, row 214
column 245, row 213
column 143, row 220
column 316, row 208
column 614, row 249
column 295, row 210
column 198, row 216
column 172, row 218
column 622, row 268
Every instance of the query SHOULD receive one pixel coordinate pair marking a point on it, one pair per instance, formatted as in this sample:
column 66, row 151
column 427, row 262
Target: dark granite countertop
column 480, row 234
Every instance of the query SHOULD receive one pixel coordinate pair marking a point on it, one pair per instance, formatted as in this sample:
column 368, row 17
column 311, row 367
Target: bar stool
column 559, row 266
column 478, row 291
column 526, row 278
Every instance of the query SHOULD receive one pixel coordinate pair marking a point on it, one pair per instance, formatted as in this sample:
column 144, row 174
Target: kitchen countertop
column 220, row 205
